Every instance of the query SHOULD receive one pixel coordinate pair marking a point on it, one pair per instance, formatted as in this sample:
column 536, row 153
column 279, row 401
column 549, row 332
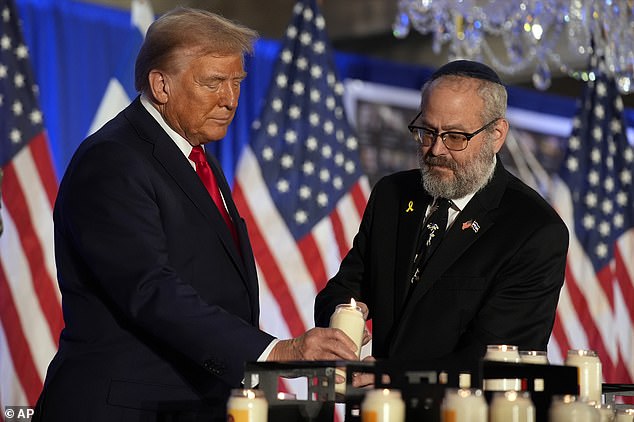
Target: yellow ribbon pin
column 410, row 207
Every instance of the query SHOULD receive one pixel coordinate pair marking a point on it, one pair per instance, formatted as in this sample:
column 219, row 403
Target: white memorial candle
column 502, row 353
column 464, row 405
column 349, row 319
column 512, row 406
column 569, row 408
column 535, row 357
column 383, row 406
column 538, row 357
column 625, row 415
column 607, row 412
column 247, row 406
column 589, row 370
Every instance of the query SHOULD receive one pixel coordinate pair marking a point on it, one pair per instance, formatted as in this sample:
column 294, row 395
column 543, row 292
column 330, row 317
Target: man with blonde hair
column 156, row 271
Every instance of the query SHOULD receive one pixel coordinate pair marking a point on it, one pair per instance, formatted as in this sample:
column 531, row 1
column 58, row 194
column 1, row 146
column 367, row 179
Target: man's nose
column 438, row 146
column 229, row 94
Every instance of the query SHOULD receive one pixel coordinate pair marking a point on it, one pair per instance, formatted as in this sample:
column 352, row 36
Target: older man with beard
column 458, row 254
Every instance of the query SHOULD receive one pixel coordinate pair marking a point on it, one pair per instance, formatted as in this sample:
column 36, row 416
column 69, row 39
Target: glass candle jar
column 538, row 357
column 464, row 405
column 512, row 406
column 383, row 405
column 502, row 353
column 589, row 370
column 625, row 415
column 247, row 406
column 348, row 317
column 607, row 412
column 569, row 408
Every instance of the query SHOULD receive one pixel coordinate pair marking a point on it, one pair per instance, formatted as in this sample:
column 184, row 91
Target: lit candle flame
column 353, row 303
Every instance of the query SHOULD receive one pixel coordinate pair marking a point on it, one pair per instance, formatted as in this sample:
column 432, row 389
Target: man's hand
column 316, row 344
column 364, row 309
column 366, row 334
column 363, row 379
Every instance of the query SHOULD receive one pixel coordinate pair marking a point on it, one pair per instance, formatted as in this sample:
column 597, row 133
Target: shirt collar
column 460, row 203
column 180, row 142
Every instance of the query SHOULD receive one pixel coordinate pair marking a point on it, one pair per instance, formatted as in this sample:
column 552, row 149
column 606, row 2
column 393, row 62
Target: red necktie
column 209, row 180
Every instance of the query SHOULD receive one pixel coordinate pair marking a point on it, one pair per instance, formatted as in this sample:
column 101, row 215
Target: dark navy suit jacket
column 160, row 306
column 494, row 279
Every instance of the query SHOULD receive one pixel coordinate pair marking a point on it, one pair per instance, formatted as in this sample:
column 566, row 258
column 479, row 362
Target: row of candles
column 586, row 361
column 509, row 404
column 469, row 405
column 459, row 405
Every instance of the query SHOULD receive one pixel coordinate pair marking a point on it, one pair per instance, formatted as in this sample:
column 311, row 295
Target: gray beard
column 469, row 178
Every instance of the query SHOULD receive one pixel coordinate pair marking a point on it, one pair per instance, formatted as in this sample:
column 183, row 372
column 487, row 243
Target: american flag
column 30, row 310
column 299, row 184
column 596, row 200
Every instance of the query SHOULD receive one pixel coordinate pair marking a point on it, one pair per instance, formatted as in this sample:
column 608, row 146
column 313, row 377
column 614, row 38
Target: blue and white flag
column 120, row 90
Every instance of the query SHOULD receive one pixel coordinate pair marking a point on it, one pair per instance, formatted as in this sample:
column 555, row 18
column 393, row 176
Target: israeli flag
column 120, row 90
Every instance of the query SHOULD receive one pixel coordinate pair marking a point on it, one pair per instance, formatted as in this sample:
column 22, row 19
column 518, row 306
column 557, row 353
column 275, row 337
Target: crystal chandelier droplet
column 533, row 34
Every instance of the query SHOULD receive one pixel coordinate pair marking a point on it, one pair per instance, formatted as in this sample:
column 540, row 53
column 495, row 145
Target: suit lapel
column 176, row 165
column 455, row 243
column 411, row 211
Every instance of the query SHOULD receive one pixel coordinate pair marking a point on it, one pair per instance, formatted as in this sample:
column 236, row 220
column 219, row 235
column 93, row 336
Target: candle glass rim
column 244, row 392
column 565, row 398
column 473, row 391
column 391, row 392
column 518, row 393
column 503, row 347
column 349, row 306
column 582, row 352
column 534, row 352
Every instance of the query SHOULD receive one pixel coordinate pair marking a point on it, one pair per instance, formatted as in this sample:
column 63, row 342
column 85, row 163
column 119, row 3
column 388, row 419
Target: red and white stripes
column 30, row 304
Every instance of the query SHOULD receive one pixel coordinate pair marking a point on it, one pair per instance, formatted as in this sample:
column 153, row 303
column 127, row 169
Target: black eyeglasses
column 454, row 141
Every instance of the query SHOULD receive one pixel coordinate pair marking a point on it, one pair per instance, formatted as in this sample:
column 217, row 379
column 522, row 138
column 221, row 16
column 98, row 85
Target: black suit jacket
column 160, row 306
column 498, row 284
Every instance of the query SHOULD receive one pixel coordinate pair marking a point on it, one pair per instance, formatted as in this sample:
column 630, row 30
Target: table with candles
column 509, row 385
column 403, row 392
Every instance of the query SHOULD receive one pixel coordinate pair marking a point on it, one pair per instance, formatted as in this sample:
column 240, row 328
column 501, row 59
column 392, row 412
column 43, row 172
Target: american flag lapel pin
column 471, row 224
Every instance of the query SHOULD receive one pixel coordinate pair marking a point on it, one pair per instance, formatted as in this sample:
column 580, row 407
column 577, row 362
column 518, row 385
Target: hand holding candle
column 315, row 344
column 349, row 318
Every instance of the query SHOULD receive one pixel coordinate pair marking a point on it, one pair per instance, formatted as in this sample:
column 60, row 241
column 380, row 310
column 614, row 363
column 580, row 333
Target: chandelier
column 537, row 36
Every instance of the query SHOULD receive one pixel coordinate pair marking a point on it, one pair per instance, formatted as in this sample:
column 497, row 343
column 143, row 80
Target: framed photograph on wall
column 380, row 114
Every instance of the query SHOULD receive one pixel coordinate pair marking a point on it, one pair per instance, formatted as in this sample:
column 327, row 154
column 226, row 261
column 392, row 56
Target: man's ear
column 159, row 86
column 499, row 134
